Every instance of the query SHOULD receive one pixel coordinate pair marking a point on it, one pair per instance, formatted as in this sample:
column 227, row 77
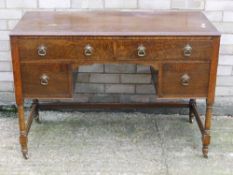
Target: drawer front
column 65, row 48
column 46, row 80
column 120, row 48
column 130, row 49
column 184, row 80
column 164, row 49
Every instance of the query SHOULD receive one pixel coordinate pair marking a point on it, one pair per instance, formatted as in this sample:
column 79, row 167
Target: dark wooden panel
column 112, row 106
column 126, row 48
column 117, row 23
column 171, row 85
column 65, row 48
column 161, row 48
column 213, row 71
column 59, row 83
column 115, row 37
column 16, row 71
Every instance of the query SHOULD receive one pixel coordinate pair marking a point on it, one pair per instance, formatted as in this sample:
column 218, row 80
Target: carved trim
column 23, row 133
column 207, row 132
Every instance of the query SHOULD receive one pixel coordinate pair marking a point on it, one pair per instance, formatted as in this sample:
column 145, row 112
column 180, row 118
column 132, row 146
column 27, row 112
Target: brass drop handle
column 41, row 50
column 141, row 51
column 187, row 50
column 44, row 80
column 185, row 80
column 88, row 50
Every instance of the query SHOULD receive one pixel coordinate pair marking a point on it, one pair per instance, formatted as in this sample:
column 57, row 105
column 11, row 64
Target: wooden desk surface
column 181, row 48
column 106, row 23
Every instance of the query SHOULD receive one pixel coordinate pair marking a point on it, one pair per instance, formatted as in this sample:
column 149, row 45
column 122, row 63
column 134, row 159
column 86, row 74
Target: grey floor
column 115, row 143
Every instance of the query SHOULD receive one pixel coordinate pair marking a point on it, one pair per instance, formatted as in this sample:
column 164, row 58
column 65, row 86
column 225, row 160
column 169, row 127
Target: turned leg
column 23, row 134
column 36, row 115
column 206, row 133
column 191, row 112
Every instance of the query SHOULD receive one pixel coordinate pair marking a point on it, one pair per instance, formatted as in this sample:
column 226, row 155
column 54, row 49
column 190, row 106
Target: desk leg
column 206, row 134
column 23, row 134
column 36, row 115
column 191, row 111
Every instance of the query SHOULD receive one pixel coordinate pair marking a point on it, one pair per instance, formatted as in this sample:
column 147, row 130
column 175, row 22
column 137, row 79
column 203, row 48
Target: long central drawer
column 114, row 48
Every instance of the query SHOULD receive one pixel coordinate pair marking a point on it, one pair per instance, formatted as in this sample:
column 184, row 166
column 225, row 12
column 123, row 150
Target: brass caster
column 25, row 154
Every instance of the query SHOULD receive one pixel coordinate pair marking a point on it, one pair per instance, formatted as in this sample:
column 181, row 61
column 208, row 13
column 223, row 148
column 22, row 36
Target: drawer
column 65, row 48
column 164, row 49
column 130, row 49
column 46, row 80
column 184, row 80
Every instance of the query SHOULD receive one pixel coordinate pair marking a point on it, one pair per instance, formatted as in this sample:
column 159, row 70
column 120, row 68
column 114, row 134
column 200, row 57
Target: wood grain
column 59, row 84
column 116, row 48
column 164, row 48
column 213, row 70
column 115, row 23
column 65, row 48
column 171, row 85
column 114, row 38
column 16, row 70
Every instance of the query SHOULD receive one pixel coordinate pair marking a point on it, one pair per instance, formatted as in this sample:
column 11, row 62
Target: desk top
column 115, row 23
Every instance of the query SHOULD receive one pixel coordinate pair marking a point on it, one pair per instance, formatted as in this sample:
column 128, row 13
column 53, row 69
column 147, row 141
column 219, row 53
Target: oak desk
column 180, row 47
